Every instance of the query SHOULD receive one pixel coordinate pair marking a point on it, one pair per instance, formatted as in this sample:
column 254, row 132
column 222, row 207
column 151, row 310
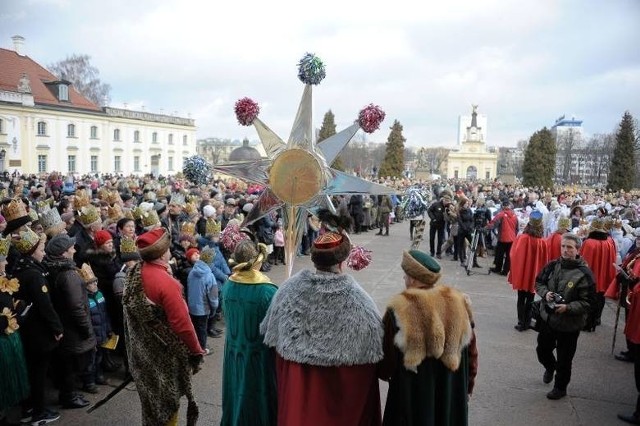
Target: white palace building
column 46, row 125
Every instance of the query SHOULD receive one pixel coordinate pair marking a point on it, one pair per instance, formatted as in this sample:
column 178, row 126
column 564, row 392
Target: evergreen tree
column 327, row 130
column 622, row 169
column 393, row 163
column 538, row 168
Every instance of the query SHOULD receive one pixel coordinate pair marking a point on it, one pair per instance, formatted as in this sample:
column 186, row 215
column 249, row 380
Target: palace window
column 116, row 134
column 136, row 136
column 170, row 165
column 116, row 164
column 71, row 131
column 1, row 126
column 184, row 140
column 94, row 132
column 42, row 128
column 71, row 163
column 154, row 137
column 170, row 138
column 63, row 92
column 94, row 163
column 42, row 163
column 136, row 163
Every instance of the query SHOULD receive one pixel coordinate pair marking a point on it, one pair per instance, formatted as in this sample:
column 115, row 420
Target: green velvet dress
column 249, row 393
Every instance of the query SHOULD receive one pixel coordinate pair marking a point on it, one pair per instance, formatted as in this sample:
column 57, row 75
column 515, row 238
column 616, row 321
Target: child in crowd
column 202, row 297
column 278, row 245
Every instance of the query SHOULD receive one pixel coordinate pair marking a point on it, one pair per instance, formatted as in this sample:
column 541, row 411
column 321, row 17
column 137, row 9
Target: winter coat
column 42, row 323
column 105, row 266
column 70, row 299
column 465, row 220
column 202, row 297
column 84, row 243
column 436, row 213
column 573, row 280
column 507, row 223
column 99, row 317
column 265, row 230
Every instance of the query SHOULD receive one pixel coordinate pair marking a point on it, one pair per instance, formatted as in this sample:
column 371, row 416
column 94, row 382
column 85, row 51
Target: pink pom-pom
column 231, row 236
column 370, row 118
column 246, row 111
column 359, row 258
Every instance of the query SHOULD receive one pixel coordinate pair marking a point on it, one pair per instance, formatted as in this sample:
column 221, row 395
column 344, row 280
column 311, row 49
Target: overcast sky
column 525, row 63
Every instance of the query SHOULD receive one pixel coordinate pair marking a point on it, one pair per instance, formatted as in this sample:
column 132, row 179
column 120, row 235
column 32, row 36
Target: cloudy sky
column 524, row 62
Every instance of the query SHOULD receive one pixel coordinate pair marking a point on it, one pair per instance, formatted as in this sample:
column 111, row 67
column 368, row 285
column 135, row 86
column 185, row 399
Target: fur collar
column 433, row 323
column 324, row 320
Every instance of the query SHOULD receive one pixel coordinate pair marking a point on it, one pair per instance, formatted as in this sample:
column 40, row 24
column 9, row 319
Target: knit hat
column 102, row 237
column 191, row 252
column 330, row 248
column 419, row 265
column 153, row 244
column 208, row 211
column 59, row 244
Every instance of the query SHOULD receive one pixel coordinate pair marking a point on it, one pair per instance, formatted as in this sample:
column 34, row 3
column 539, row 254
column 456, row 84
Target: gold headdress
column 207, row 254
column 150, row 218
column 213, row 227
column 15, row 209
column 27, row 240
column 81, row 199
column 113, row 197
column 178, row 199
column 128, row 245
column 50, row 219
column 45, row 204
column 88, row 215
column 188, row 228
column 87, row 274
column 190, row 209
column 4, row 247
column 115, row 213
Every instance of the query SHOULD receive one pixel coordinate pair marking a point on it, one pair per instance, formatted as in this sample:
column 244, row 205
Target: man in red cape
column 599, row 251
column 554, row 240
column 327, row 334
column 529, row 253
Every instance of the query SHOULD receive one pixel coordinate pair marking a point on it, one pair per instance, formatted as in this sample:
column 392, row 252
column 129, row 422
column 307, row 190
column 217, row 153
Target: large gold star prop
column 296, row 175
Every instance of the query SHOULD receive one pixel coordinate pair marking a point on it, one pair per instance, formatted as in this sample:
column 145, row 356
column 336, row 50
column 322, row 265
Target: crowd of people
column 110, row 273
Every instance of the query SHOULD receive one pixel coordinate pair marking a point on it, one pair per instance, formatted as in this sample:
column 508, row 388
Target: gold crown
column 207, row 254
column 50, row 218
column 188, row 228
column 14, row 210
column 115, row 213
column 113, row 197
column 177, row 198
column 150, row 218
column 4, row 246
column 33, row 214
column 45, row 204
column 190, row 209
column 150, row 196
column 213, row 227
column 27, row 240
column 128, row 213
column 128, row 245
column 82, row 199
column 193, row 198
column 103, row 192
column 86, row 273
column 88, row 215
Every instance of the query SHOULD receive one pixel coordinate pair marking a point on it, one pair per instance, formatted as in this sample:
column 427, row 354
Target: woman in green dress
column 249, row 394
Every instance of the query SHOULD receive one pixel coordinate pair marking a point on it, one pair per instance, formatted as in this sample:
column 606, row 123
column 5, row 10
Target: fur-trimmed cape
column 433, row 323
column 325, row 320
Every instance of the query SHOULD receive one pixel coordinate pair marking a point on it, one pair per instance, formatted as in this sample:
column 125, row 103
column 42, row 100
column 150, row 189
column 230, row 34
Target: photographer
column 567, row 288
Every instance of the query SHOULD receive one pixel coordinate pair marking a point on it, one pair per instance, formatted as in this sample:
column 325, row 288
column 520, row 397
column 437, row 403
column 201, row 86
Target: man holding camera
column 567, row 288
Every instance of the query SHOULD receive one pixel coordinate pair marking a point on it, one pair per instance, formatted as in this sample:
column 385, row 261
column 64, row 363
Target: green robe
column 249, row 393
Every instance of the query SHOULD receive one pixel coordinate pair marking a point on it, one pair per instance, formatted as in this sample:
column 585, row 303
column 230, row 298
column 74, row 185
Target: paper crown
column 88, row 215
column 15, row 209
column 207, row 254
column 113, row 197
column 33, row 214
column 115, row 212
column 27, row 240
column 45, row 204
column 193, row 198
column 597, row 225
column 87, row 274
column 150, row 218
column 82, row 199
column 128, row 245
column 564, row 223
column 213, row 227
column 50, row 218
column 190, row 209
column 150, row 196
column 128, row 213
column 188, row 228
column 178, row 199
column 4, row 247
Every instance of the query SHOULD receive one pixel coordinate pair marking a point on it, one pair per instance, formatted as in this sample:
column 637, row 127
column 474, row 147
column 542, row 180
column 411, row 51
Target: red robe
column 553, row 245
column 318, row 396
column 528, row 257
column 600, row 255
column 632, row 327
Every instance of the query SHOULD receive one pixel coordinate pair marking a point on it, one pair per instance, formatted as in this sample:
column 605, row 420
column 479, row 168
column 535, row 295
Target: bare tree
column 568, row 143
column 85, row 78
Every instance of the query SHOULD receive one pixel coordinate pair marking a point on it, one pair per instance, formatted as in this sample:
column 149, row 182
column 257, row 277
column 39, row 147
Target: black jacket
column 69, row 297
column 42, row 323
column 436, row 213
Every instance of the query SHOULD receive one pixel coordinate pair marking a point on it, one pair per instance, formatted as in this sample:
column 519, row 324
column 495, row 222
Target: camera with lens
column 557, row 300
